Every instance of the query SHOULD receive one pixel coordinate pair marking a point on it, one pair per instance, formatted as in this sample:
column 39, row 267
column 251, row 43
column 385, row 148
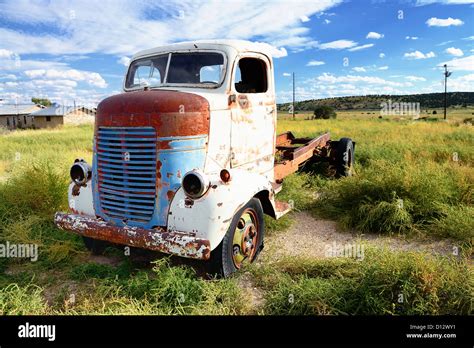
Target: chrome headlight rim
column 80, row 172
column 203, row 180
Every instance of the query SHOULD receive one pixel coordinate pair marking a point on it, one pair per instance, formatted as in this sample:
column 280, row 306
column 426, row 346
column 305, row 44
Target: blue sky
column 78, row 50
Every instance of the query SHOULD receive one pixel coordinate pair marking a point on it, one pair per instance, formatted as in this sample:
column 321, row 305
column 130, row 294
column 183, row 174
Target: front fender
column 80, row 199
column 209, row 217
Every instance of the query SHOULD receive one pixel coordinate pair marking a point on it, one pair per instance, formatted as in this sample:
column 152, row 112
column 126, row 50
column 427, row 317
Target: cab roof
column 237, row 45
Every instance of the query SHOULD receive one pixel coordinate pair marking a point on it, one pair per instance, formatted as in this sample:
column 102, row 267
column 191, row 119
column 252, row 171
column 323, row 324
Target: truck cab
column 184, row 159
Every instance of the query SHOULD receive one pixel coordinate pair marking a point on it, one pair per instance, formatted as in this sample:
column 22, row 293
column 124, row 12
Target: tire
column 229, row 256
column 96, row 247
column 344, row 160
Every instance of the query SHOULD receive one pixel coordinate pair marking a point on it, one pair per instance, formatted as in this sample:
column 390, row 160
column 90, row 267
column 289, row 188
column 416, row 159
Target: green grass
column 406, row 183
column 384, row 282
column 407, row 179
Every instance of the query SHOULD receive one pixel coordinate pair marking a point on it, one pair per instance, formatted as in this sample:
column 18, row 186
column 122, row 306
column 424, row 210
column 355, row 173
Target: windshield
column 204, row 68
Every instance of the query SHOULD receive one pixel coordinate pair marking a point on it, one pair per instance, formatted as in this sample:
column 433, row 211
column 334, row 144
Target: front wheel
column 242, row 242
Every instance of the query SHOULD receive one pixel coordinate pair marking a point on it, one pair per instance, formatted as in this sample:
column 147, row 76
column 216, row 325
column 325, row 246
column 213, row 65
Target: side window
column 251, row 76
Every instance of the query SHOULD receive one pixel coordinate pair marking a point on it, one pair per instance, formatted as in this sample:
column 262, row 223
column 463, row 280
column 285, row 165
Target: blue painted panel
column 138, row 192
column 183, row 155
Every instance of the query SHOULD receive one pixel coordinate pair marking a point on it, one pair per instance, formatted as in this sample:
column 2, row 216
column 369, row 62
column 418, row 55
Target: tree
column 324, row 112
column 41, row 101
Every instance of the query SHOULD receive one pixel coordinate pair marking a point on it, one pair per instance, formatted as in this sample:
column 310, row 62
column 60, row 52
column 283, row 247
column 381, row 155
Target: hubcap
column 245, row 238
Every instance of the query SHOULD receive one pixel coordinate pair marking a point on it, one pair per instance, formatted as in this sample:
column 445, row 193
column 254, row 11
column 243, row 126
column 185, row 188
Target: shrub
column 27, row 300
column 324, row 112
column 34, row 189
column 384, row 282
column 406, row 198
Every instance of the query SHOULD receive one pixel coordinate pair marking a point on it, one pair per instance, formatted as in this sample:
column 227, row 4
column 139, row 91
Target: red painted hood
column 171, row 113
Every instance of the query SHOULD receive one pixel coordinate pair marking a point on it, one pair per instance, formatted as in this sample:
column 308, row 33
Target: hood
column 145, row 141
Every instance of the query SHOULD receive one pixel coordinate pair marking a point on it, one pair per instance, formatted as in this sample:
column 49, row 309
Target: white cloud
column 444, row 2
column 382, row 55
column 62, row 83
column 362, row 47
column 315, row 63
column 411, row 37
column 457, row 52
column 359, row 69
column 414, row 78
column 330, row 78
column 330, row 85
column 286, row 74
column 460, row 64
column 438, row 22
column 383, row 67
column 124, row 27
column 92, row 78
column 304, row 19
column 125, row 61
column 337, row 45
column 6, row 54
column 327, row 21
column 374, row 35
column 419, row 55
column 463, row 83
column 8, row 77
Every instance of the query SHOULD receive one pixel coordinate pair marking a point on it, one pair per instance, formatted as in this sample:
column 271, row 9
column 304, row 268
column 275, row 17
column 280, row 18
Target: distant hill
column 429, row 100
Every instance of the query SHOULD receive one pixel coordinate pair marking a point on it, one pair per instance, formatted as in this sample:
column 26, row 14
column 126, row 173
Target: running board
column 281, row 208
column 276, row 187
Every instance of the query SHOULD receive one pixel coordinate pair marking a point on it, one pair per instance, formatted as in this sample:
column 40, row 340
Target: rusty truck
column 187, row 161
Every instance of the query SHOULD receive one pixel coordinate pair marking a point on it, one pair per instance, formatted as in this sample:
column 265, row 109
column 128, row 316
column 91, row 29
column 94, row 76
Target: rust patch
column 291, row 157
column 170, row 195
column 158, row 172
column 171, row 113
column 76, row 190
column 177, row 243
column 244, row 103
column 163, row 145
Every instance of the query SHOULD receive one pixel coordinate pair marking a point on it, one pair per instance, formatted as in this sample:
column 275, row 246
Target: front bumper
column 176, row 243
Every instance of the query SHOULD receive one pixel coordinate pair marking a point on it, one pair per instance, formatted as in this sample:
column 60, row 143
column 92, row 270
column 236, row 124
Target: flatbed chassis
column 292, row 152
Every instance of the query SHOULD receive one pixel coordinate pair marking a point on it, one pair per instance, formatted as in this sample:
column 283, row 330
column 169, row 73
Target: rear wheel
column 242, row 242
column 344, row 159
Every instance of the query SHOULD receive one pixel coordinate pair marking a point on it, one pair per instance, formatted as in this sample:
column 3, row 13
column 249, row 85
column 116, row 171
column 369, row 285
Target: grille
column 126, row 172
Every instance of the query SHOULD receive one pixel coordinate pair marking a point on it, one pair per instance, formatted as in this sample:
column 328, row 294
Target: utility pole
column 293, row 109
column 446, row 75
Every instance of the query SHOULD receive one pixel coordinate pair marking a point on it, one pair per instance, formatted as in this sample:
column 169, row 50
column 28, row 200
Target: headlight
column 80, row 172
column 195, row 184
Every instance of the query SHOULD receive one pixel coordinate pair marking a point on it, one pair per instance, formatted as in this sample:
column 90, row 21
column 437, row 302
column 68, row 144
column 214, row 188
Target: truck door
column 253, row 114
